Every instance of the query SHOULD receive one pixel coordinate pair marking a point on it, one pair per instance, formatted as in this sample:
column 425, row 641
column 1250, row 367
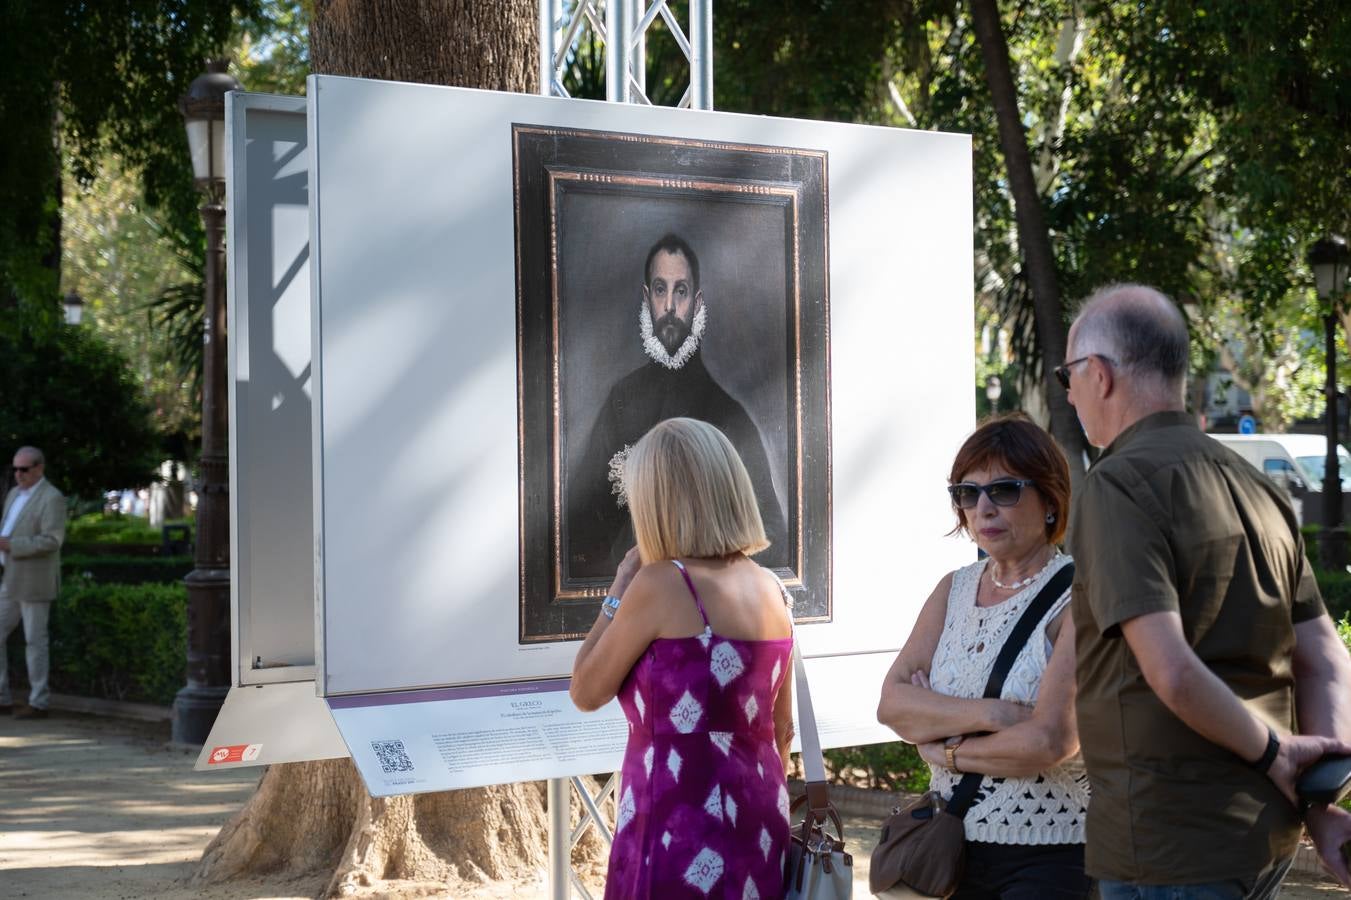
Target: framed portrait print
column 660, row 277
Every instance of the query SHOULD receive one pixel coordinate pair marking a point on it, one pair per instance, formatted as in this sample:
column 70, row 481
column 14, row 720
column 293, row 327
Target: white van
column 1294, row 461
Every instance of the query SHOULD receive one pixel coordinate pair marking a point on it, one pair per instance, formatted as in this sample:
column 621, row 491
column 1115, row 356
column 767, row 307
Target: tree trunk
column 316, row 817
column 1033, row 237
column 467, row 43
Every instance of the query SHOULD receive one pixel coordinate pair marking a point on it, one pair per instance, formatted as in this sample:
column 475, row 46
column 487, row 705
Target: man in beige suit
column 32, row 527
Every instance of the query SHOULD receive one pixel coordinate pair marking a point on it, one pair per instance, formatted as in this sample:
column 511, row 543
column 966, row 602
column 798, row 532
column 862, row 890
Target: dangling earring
column 1050, row 518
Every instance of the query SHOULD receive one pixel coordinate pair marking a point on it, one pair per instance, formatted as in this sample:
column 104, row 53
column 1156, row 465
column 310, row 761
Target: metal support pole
column 618, row 28
column 560, row 845
column 548, row 45
column 196, row 705
column 701, row 54
column 638, row 44
column 1332, row 539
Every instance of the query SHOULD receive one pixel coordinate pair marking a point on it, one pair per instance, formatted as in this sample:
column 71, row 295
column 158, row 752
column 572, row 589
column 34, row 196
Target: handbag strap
column 964, row 794
column 813, row 763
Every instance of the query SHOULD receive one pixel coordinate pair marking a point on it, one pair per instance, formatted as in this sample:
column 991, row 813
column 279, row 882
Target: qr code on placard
column 393, row 756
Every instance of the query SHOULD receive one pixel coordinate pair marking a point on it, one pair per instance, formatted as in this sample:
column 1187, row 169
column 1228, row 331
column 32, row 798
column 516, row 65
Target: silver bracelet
column 609, row 606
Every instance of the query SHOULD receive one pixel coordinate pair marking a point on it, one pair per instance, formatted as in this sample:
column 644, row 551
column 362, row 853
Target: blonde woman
column 696, row 641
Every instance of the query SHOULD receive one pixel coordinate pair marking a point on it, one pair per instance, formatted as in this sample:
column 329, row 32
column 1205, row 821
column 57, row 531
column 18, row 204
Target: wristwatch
column 609, row 606
column 950, row 754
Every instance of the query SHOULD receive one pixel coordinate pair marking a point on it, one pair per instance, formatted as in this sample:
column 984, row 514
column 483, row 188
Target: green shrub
column 889, row 767
column 116, row 641
column 1336, row 590
column 110, row 528
column 110, row 569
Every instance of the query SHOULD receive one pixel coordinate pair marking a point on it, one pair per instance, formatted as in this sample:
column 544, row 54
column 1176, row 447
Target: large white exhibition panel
column 271, row 714
column 415, row 375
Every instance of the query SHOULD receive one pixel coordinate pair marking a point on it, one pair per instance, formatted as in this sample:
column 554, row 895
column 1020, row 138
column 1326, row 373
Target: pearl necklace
column 1026, row 581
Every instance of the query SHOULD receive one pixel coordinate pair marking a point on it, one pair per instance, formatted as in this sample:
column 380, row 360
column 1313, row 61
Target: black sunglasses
column 1003, row 492
column 1062, row 373
column 23, row 470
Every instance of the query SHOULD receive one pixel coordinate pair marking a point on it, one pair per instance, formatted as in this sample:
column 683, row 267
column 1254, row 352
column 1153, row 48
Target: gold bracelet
column 950, row 755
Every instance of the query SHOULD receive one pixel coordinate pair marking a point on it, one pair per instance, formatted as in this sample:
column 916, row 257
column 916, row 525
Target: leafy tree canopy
column 68, row 392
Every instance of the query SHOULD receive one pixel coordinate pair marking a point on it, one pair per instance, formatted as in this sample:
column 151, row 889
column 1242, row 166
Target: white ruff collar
column 656, row 350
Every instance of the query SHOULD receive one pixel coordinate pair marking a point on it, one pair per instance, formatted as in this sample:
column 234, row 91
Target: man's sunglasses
column 1003, row 492
column 1062, row 373
column 24, row 470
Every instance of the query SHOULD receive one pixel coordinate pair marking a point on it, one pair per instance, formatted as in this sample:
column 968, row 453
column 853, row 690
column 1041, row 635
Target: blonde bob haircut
column 689, row 494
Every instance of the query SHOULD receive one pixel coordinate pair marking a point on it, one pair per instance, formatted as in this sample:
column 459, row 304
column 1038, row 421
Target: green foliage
column 116, row 641
column 119, row 257
column 1344, row 631
column 69, row 393
column 111, row 528
column 124, row 569
column 103, row 78
column 894, row 766
column 1336, row 590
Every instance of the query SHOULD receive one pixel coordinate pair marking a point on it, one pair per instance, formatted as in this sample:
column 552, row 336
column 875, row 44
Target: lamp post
column 73, row 304
column 209, row 678
column 1328, row 258
column 994, row 389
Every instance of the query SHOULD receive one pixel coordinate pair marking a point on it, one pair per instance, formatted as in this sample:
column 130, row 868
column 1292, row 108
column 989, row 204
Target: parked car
column 1295, row 462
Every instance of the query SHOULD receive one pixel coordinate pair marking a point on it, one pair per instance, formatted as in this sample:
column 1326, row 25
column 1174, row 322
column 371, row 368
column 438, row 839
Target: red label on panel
column 234, row 753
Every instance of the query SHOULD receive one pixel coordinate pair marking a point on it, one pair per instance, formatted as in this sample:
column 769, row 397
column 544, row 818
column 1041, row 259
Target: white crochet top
column 1048, row 808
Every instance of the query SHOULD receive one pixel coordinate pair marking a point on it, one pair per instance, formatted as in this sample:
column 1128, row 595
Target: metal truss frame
column 626, row 59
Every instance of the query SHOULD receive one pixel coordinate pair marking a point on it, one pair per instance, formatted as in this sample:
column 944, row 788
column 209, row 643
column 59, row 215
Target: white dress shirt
column 20, row 501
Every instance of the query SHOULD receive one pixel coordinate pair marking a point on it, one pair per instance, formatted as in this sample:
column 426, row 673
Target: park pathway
column 101, row 808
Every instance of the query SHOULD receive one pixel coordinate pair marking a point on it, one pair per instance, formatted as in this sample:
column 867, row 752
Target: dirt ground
column 101, row 808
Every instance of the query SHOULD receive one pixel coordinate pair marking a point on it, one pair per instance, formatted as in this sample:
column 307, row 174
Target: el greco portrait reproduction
column 660, row 277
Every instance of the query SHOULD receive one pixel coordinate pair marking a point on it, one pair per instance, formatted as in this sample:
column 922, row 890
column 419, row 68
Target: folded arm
column 1043, row 740
column 918, row 714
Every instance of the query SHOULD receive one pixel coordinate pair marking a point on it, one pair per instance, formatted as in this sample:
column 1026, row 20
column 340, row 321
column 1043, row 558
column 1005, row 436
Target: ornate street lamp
column 994, row 389
column 196, row 705
column 73, row 304
column 1329, row 260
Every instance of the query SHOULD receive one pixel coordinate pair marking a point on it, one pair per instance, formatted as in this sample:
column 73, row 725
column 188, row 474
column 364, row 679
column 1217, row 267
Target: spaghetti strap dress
column 703, row 805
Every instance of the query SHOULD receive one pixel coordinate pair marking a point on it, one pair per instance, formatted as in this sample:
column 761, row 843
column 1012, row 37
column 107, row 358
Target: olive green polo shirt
column 1168, row 519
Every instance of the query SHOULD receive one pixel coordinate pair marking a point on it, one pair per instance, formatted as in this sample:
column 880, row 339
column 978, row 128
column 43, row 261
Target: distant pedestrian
column 31, row 532
column 1198, row 629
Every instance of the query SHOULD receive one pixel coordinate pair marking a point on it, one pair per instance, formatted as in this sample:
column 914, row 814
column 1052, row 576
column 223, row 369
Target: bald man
column 1202, row 643
column 32, row 529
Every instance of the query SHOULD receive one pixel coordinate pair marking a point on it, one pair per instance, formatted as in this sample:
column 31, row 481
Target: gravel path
column 100, row 808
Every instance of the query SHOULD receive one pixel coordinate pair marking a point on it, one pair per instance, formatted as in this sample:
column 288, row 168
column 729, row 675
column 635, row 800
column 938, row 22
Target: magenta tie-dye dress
column 703, row 807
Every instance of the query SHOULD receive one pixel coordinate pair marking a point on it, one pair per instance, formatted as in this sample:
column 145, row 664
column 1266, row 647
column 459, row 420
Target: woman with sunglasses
column 1010, row 490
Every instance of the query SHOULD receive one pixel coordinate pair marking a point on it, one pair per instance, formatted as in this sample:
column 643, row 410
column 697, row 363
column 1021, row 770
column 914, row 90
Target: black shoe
column 6, row 709
column 31, row 712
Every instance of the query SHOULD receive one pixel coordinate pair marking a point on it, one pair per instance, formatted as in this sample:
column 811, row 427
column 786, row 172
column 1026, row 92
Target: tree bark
column 1034, row 239
column 467, row 43
column 316, row 818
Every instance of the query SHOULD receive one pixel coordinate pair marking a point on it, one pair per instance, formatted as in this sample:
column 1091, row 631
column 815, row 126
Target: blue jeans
column 1266, row 887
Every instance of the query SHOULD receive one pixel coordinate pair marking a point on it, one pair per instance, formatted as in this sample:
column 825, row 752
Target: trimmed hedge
column 110, row 528
column 888, row 767
column 125, row 569
column 117, row 641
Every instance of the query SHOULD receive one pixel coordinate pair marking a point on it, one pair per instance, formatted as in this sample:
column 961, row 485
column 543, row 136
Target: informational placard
column 437, row 740
column 447, row 443
column 414, row 742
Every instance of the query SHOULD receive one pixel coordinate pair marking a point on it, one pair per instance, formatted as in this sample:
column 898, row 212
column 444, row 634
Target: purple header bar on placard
column 434, row 695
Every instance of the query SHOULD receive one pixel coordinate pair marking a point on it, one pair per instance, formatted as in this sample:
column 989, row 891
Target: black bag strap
column 965, row 792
